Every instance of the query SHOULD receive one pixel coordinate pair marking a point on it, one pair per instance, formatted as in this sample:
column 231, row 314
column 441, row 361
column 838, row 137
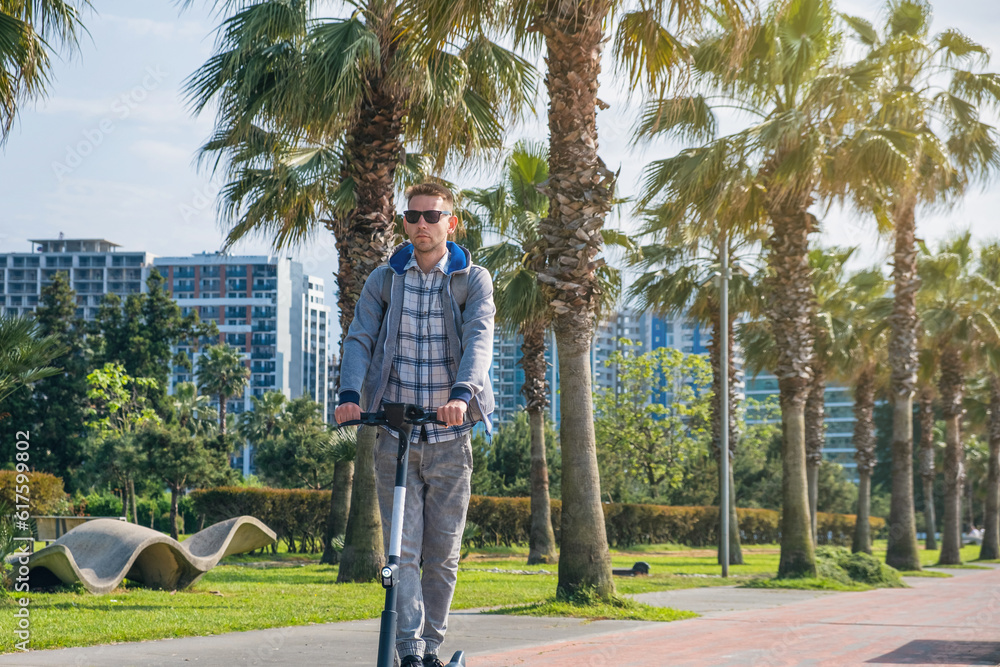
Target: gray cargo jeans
column 438, row 486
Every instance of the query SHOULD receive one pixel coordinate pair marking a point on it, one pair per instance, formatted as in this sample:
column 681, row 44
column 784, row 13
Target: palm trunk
column 541, row 539
column 862, row 524
column 927, row 471
column 222, row 417
column 363, row 242
column 174, row 498
column 131, row 493
column 790, row 313
column 580, row 193
column 585, row 561
column 815, row 436
column 715, row 358
column 864, row 455
column 902, row 552
column 990, row 549
column 363, row 553
column 950, row 388
column 340, row 503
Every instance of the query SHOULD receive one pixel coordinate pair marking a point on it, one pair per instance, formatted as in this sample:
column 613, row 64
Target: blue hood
column 458, row 258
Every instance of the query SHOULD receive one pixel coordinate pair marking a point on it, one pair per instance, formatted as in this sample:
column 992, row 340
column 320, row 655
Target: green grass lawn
column 262, row 591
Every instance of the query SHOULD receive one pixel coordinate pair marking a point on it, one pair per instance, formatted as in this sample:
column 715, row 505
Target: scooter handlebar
column 414, row 415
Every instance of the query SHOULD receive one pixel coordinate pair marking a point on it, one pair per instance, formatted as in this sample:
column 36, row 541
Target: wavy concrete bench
column 100, row 553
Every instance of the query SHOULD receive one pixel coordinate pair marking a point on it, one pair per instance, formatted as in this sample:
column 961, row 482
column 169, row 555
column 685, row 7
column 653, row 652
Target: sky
column 110, row 152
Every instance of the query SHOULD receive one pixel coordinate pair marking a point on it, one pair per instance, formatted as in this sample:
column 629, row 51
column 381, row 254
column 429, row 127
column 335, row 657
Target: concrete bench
column 51, row 528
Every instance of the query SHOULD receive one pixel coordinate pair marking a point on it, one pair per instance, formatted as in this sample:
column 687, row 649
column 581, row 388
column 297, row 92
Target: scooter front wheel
column 457, row 660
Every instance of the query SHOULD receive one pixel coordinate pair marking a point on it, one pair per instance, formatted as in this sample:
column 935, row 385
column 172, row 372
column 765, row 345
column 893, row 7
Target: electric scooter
column 400, row 417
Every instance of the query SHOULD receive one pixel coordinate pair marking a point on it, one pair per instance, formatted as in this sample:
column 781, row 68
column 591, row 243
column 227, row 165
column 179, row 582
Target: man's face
column 424, row 236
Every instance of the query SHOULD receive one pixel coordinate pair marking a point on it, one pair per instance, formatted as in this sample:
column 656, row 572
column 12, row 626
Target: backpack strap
column 460, row 289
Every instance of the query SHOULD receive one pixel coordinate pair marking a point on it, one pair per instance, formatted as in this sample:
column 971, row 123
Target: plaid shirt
column 421, row 371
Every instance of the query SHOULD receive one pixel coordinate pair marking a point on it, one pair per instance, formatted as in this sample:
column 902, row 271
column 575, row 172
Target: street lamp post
column 723, row 334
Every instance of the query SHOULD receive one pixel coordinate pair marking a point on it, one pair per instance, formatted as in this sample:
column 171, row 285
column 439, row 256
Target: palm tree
column 25, row 354
column 957, row 309
column 828, row 325
column 858, row 356
column 802, row 103
column 314, row 118
column 989, row 270
column 264, row 419
column 581, row 193
column 194, row 414
column 691, row 220
column 513, row 210
column 927, row 143
column 29, row 31
column 223, row 374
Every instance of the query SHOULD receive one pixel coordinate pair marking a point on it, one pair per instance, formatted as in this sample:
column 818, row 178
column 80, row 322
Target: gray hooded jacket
column 370, row 345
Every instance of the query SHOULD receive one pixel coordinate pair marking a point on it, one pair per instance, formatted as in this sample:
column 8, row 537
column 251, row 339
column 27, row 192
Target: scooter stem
column 390, row 573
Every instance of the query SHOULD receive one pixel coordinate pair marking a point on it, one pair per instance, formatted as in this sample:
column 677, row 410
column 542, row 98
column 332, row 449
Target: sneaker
column 431, row 660
column 412, row 661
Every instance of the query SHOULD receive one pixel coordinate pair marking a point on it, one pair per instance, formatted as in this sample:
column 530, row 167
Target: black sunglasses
column 432, row 217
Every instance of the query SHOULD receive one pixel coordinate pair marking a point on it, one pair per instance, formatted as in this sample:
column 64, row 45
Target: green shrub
column 100, row 505
column 46, row 495
column 297, row 516
column 507, row 521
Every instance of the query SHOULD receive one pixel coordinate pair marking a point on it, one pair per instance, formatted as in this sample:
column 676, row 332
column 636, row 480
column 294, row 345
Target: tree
column 828, row 326
column 180, row 460
column 30, row 31
column 264, row 419
column 193, row 410
column 656, row 416
column 989, row 270
column 858, row 354
column 60, row 401
column 141, row 334
column 223, row 374
column 119, row 408
column 314, row 117
column 513, row 209
column 297, row 457
column 581, row 192
column 25, row 354
column 924, row 144
column 785, row 76
column 343, row 451
column 957, row 308
column 680, row 278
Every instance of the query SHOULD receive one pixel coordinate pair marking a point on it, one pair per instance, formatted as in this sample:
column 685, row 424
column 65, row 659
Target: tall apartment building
column 839, row 418
column 648, row 331
column 95, row 267
column 265, row 307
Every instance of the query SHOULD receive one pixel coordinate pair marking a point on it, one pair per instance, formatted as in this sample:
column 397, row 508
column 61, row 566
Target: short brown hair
column 430, row 189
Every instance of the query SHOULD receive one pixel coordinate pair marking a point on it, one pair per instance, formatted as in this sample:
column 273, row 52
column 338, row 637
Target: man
column 431, row 345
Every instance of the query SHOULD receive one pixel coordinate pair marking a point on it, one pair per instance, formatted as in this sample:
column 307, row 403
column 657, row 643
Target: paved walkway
column 937, row 622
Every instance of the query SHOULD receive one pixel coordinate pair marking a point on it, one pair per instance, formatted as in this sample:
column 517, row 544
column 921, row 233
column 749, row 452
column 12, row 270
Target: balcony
column 264, row 326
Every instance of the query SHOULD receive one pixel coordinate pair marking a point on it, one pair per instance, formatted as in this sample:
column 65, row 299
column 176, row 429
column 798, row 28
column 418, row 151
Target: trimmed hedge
column 507, row 521
column 297, row 516
column 46, row 494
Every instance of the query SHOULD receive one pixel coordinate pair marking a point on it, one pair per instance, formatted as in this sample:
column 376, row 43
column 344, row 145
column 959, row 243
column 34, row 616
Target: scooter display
column 401, row 417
